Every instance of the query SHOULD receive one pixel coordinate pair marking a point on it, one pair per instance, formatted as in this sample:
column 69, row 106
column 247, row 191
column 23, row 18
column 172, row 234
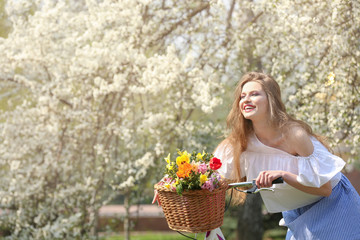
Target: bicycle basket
column 195, row 211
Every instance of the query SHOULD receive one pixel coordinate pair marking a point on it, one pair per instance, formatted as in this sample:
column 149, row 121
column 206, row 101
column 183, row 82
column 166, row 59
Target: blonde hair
column 241, row 128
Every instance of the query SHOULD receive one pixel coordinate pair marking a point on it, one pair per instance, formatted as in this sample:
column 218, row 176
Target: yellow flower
column 203, row 178
column 183, row 158
column 200, row 156
column 167, row 185
column 167, row 159
column 331, row 79
column 170, row 166
column 184, row 153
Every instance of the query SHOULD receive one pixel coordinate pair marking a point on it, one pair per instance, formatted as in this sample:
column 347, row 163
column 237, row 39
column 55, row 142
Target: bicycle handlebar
column 253, row 186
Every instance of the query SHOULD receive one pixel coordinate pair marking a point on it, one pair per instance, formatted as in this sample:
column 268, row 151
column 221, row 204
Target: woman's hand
column 265, row 178
column 156, row 198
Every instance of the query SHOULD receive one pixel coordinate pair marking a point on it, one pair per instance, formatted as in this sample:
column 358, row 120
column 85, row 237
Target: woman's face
column 253, row 102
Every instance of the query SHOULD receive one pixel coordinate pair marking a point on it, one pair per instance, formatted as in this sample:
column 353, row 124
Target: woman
column 317, row 201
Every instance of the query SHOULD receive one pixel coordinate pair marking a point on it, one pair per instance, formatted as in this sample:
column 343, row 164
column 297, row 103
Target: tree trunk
column 250, row 222
column 127, row 215
column 94, row 217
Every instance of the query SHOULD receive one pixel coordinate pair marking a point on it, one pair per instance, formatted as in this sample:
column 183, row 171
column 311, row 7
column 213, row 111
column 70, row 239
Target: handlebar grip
column 278, row 180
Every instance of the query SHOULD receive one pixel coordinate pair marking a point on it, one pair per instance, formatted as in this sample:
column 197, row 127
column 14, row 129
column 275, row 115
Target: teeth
column 248, row 107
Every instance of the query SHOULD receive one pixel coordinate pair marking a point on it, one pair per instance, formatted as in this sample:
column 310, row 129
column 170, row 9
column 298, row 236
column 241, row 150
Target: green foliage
column 179, row 189
column 275, row 234
column 5, row 26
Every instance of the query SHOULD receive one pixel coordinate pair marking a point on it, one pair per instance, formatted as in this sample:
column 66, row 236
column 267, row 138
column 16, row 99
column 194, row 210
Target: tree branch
column 197, row 10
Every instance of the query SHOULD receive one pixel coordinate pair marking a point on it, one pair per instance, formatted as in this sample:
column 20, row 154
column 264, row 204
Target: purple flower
column 208, row 185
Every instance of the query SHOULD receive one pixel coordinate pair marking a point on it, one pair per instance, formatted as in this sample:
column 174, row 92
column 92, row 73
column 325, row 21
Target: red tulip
column 215, row 163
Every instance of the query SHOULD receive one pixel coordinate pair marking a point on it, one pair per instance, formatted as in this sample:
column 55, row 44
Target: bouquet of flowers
column 191, row 171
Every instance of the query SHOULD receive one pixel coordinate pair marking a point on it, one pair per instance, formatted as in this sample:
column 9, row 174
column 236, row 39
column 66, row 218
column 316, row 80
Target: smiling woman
column 266, row 143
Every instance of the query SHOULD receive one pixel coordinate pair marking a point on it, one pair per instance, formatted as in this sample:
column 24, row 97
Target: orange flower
column 184, row 170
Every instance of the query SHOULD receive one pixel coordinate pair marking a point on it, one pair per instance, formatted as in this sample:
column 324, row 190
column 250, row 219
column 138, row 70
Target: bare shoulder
column 300, row 140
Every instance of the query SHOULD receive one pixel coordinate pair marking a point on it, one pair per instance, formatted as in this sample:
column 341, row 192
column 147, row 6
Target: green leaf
column 179, row 189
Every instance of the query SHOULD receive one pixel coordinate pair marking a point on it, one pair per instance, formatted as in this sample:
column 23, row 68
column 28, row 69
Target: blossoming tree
column 94, row 92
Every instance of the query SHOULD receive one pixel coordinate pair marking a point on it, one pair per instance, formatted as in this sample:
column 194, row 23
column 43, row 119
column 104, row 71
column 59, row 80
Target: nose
column 244, row 99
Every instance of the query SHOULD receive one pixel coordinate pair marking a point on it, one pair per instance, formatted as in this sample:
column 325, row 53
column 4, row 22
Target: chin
column 248, row 117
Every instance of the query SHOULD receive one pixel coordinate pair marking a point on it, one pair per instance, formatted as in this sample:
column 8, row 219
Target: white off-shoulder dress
column 307, row 216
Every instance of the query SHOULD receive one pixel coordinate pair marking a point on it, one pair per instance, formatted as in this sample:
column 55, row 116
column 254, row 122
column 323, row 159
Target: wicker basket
column 195, row 211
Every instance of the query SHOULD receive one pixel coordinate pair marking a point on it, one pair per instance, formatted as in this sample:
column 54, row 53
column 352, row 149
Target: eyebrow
column 251, row 91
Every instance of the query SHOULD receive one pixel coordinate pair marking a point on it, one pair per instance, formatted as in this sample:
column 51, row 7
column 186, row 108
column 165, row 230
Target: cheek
column 240, row 105
column 265, row 104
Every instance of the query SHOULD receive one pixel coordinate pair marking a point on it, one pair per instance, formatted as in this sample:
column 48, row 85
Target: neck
column 266, row 132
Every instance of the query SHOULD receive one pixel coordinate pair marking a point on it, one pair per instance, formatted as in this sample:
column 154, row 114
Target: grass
column 274, row 234
column 154, row 236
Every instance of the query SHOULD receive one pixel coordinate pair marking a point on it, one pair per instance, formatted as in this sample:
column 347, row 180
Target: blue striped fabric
column 336, row 217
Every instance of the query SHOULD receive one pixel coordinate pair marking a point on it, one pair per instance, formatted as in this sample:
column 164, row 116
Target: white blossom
column 95, row 92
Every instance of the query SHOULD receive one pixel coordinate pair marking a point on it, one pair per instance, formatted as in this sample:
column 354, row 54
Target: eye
column 254, row 94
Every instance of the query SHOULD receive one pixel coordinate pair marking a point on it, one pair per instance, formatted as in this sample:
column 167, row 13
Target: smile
column 248, row 107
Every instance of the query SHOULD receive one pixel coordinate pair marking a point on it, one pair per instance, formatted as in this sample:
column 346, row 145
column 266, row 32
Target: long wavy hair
column 241, row 128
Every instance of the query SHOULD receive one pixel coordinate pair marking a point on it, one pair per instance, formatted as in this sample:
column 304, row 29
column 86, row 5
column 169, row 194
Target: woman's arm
column 265, row 179
column 302, row 146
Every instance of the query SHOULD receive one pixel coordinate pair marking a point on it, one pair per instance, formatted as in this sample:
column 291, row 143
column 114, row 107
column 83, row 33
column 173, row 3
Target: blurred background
column 95, row 93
